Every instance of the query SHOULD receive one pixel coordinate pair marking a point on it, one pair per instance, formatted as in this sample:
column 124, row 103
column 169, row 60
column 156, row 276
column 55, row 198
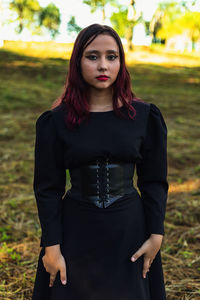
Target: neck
column 100, row 98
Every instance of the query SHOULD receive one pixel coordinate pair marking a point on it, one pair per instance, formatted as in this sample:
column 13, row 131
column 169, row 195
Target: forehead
column 103, row 42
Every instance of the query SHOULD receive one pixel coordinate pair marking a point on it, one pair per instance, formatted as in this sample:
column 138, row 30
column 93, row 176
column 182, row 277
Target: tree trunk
column 103, row 14
column 193, row 44
column 129, row 37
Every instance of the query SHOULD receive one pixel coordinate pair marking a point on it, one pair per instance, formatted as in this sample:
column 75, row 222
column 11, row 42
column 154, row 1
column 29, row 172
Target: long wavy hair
column 75, row 96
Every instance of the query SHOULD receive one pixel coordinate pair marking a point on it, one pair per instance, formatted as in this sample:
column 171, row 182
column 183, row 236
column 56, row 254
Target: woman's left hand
column 149, row 249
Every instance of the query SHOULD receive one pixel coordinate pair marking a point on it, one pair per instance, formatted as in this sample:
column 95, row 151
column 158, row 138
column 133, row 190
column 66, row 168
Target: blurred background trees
column 174, row 20
column 32, row 16
column 124, row 21
column 190, row 24
column 49, row 17
column 100, row 4
column 72, row 26
column 175, row 24
column 163, row 23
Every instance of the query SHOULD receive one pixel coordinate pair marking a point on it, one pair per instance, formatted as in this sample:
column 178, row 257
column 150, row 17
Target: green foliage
column 171, row 19
column 165, row 17
column 50, row 18
column 4, row 233
column 190, row 23
column 123, row 25
column 187, row 254
column 26, row 11
column 119, row 21
column 72, row 26
column 96, row 4
column 32, row 16
column 10, row 252
column 100, row 4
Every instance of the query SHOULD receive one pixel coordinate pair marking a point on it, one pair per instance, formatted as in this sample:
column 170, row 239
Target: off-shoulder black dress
column 97, row 243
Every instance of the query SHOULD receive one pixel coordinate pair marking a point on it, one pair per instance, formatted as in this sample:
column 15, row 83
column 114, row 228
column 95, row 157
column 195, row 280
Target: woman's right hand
column 53, row 262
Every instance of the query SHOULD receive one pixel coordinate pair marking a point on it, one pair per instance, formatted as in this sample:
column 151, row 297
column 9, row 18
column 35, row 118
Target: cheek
column 87, row 70
column 116, row 69
column 87, row 67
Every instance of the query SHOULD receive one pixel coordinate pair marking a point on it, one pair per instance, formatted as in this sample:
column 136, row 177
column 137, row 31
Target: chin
column 102, row 88
column 104, row 85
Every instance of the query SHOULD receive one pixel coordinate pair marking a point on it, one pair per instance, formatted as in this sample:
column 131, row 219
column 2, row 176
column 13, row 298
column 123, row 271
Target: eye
column 112, row 57
column 91, row 57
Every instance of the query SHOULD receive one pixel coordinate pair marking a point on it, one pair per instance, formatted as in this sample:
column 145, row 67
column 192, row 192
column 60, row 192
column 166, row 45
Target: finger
column 151, row 260
column 44, row 263
column 63, row 274
column 146, row 266
column 52, row 278
column 137, row 254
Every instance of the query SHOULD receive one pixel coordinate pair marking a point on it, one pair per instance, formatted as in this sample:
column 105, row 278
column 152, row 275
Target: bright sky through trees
column 82, row 15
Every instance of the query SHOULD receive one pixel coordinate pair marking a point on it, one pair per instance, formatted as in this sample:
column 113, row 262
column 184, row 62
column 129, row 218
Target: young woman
column 101, row 239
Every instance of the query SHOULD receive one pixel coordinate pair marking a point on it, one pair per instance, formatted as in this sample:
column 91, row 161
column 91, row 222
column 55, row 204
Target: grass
column 30, row 81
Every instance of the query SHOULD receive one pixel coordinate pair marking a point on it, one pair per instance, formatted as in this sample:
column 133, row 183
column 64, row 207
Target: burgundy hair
column 75, row 95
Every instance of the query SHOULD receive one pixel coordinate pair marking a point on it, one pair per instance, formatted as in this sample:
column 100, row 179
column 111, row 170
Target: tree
column 49, row 17
column 34, row 17
column 119, row 21
column 133, row 18
column 174, row 19
column 124, row 21
column 155, row 24
column 190, row 23
column 26, row 11
column 164, row 21
column 100, row 4
column 72, row 26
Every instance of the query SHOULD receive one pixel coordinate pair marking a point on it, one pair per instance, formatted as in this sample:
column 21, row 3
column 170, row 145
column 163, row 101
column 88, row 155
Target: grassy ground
column 29, row 82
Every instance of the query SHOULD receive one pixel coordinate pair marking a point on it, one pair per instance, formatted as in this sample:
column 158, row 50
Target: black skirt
column 97, row 247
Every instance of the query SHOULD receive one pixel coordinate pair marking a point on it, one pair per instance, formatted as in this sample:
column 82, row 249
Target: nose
column 102, row 66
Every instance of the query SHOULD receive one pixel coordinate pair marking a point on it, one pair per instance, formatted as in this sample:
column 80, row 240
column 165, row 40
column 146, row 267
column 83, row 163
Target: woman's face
column 101, row 58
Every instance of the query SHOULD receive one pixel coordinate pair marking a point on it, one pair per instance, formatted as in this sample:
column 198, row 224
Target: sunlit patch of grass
column 174, row 61
column 40, row 49
column 187, row 186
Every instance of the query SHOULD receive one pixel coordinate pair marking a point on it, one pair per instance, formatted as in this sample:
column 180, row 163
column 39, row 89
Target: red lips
column 102, row 77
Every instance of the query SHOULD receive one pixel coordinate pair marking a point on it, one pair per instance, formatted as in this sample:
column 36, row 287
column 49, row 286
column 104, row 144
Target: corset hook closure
column 102, row 171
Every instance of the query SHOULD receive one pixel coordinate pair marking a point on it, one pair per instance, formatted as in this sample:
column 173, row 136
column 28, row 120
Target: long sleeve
column 49, row 179
column 152, row 171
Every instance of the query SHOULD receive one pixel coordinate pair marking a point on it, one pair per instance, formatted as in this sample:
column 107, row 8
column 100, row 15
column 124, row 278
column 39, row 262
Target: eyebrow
column 96, row 51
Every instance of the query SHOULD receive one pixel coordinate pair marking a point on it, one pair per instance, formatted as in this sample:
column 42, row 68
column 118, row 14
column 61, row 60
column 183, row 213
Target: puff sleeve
column 152, row 171
column 49, row 179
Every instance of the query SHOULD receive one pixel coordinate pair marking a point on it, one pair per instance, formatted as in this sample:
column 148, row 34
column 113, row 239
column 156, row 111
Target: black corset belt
column 102, row 182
